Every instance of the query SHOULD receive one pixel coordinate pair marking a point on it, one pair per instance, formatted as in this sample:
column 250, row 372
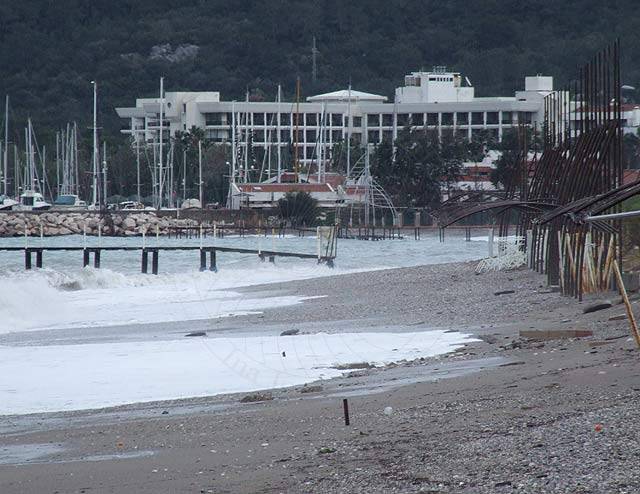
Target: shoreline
column 538, row 393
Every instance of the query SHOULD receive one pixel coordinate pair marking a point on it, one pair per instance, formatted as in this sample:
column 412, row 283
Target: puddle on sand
column 403, row 376
column 27, row 454
column 19, row 454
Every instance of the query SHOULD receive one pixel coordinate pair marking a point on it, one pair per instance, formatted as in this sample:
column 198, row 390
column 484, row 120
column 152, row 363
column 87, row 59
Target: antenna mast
column 314, row 58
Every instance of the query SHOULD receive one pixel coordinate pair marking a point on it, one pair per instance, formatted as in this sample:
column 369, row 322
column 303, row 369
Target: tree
column 299, row 208
column 508, row 172
column 418, row 165
column 631, row 151
column 339, row 156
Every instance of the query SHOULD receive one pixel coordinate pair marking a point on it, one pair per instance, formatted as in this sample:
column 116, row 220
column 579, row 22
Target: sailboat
column 67, row 169
column 6, row 202
column 31, row 199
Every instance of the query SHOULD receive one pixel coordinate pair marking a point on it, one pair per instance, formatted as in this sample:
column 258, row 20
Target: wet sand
column 503, row 414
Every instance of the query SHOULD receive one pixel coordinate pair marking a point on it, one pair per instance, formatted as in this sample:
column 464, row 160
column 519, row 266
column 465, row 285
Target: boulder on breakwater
column 51, row 223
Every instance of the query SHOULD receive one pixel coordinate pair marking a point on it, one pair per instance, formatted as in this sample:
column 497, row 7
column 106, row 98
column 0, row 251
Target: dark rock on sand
column 290, row 332
column 597, row 306
column 504, row 292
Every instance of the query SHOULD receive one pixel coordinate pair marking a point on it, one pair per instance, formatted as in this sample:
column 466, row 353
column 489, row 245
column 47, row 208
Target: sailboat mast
column 6, row 146
column 233, row 142
column 138, row 168
column 44, row 170
column 278, row 130
column 160, row 144
column 349, row 133
column 31, row 164
column 58, row 161
column 296, row 164
column 104, row 173
column 16, row 171
column 184, row 175
column 200, row 194
column 94, row 199
column 246, row 140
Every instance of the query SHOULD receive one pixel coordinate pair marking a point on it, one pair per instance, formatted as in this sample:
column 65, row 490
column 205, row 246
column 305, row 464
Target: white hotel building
column 438, row 100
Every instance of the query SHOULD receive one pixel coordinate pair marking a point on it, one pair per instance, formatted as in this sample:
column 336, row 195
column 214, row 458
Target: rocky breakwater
column 52, row 223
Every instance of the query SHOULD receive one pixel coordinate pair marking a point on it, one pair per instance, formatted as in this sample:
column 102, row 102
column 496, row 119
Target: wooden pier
column 154, row 253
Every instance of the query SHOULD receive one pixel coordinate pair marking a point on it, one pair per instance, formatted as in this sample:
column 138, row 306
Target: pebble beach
column 504, row 413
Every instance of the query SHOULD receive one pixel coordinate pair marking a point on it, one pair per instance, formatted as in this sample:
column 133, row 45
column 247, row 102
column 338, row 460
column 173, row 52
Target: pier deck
column 154, row 251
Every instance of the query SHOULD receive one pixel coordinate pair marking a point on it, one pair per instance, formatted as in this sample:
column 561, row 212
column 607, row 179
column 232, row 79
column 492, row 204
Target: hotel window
column 312, row 119
column 213, row 118
column 285, row 118
column 462, row 118
column 477, row 118
column 258, row 119
column 387, row 119
column 271, row 119
column 336, row 135
column 373, row 136
column 285, row 136
column 402, row 119
column 417, row 119
column 524, row 117
column 447, row 118
column 387, row 135
column 357, row 121
column 336, row 119
column 258, row 136
column 373, row 120
column 507, row 117
column 492, row 118
column 432, row 119
column 311, row 135
column 217, row 135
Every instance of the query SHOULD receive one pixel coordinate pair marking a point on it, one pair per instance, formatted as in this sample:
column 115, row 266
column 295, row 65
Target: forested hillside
column 51, row 50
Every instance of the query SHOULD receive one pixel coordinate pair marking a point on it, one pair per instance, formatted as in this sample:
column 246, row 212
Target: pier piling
column 203, row 260
column 154, row 261
column 27, row 259
column 213, row 263
column 145, row 261
column 39, row 259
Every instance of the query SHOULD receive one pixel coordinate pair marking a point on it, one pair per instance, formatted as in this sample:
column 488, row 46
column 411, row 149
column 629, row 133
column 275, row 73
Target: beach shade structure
column 578, row 172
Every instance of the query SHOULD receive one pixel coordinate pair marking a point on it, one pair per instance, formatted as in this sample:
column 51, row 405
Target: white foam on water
column 86, row 376
column 64, row 295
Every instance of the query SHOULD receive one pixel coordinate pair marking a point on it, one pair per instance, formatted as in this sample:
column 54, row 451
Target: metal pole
column 95, row 143
column 200, row 174
column 233, row 142
column 349, row 133
column 160, row 144
column 138, row 169
column 6, row 145
column 278, row 139
column 104, row 173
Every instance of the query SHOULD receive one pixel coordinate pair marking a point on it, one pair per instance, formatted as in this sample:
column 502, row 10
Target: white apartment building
column 438, row 100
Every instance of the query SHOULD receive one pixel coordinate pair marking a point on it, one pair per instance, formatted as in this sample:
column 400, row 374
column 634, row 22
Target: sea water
column 62, row 369
column 65, row 295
